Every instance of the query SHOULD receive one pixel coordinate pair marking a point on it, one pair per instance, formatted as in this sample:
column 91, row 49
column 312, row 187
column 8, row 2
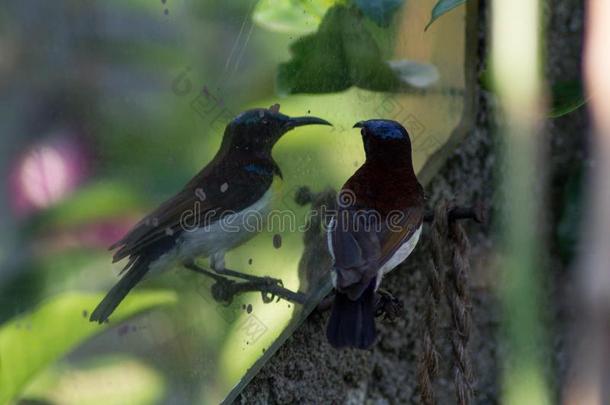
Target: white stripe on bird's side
column 225, row 234
column 399, row 256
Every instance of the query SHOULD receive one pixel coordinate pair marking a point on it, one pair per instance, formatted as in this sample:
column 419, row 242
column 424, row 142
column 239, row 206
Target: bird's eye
column 265, row 121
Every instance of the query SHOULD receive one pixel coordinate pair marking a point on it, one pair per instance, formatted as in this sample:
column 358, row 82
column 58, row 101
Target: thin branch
column 225, row 288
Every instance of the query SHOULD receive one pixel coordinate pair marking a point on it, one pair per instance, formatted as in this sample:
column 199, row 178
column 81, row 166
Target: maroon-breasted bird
column 208, row 216
column 375, row 228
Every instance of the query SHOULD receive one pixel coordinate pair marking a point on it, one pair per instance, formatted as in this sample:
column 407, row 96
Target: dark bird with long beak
column 208, row 216
column 376, row 227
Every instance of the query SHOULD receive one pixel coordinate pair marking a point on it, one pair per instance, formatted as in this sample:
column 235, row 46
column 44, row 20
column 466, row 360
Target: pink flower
column 47, row 172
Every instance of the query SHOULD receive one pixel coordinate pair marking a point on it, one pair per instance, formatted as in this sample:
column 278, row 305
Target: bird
column 208, row 217
column 376, row 226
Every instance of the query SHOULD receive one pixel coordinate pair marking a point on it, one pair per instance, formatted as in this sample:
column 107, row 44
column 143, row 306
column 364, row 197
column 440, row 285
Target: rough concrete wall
column 307, row 370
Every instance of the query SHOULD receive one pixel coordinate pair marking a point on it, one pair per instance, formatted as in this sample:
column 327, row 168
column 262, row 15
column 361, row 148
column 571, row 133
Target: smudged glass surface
column 109, row 108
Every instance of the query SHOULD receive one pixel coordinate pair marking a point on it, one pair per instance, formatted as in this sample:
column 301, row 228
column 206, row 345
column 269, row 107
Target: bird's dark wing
column 363, row 241
column 169, row 219
column 355, row 248
column 203, row 201
column 400, row 227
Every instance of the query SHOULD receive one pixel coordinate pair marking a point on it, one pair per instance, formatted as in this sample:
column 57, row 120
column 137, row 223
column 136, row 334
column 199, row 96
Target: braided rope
column 449, row 243
column 429, row 358
column 459, row 302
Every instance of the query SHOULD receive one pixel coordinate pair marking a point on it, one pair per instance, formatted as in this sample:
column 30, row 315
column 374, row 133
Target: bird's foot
column 270, row 285
column 387, row 305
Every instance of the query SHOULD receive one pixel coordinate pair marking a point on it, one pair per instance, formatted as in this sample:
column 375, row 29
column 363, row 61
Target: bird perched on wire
column 209, row 215
column 376, row 227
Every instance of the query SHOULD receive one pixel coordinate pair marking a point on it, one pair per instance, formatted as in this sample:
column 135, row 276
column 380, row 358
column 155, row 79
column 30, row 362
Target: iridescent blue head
column 385, row 141
column 257, row 130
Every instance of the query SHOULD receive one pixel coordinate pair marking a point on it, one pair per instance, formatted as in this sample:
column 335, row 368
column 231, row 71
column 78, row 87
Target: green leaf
column 49, row 274
column 341, row 54
column 292, row 16
column 91, row 203
column 442, row 7
column 107, row 380
column 567, row 97
column 380, row 11
column 31, row 342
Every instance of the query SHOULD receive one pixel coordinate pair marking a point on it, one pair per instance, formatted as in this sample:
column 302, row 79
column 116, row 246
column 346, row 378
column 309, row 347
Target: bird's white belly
column 225, row 234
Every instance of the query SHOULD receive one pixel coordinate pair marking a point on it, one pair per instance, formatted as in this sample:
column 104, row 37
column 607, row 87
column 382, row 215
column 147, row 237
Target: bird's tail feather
column 352, row 323
column 117, row 293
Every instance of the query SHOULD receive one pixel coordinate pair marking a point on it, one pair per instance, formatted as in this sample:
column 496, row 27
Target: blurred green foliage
column 344, row 51
column 293, row 16
column 105, row 380
column 32, row 341
column 47, row 275
column 93, row 202
column 341, row 54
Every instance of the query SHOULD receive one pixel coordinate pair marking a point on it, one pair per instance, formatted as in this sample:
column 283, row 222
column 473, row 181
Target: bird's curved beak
column 300, row 121
column 359, row 124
